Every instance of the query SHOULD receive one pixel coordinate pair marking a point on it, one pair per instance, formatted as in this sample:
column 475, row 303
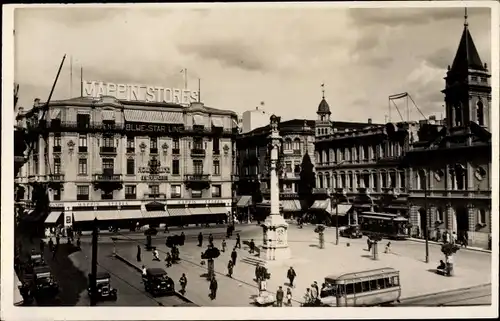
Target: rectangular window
column 198, row 166
column 175, row 167
column 82, row 143
column 288, row 167
column 196, row 193
column 35, row 165
column 153, row 147
column 197, row 143
column 481, row 216
column 175, row 191
column 395, row 280
column 107, row 195
column 216, row 191
column 82, row 193
column 366, row 152
column 57, row 194
column 349, row 289
column 108, row 165
column 216, row 167
column 154, row 189
column 83, row 120
column 108, row 141
column 82, row 166
column 176, row 146
column 57, row 143
column 57, row 165
column 402, row 181
column 130, row 144
column 130, row 192
column 130, row 166
column 216, row 146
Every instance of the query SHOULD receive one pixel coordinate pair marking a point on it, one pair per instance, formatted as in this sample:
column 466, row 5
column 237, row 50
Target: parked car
column 43, row 282
column 104, row 289
column 157, row 282
column 351, row 231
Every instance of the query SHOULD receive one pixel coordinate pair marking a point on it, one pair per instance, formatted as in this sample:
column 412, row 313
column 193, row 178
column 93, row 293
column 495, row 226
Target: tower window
column 458, row 115
column 480, row 113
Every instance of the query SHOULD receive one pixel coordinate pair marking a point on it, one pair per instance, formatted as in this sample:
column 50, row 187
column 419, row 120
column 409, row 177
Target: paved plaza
column 312, row 264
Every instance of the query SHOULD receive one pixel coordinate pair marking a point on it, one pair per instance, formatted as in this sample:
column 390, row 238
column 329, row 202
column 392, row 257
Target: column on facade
column 449, row 217
column 370, row 181
column 470, row 178
column 472, row 219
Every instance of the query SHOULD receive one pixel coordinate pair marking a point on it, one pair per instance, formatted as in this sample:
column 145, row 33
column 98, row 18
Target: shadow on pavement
column 313, row 245
column 368, row 256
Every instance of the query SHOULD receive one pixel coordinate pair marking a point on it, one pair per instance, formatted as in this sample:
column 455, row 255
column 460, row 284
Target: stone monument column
column 275, row 229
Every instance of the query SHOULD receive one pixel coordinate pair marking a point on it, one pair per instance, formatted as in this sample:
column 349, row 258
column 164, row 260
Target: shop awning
column 343, row 209
column 320, row 205
column 199, row 120
column 108, row 115
column 151, row 116
column 244, row 201
column 53, row 217
column 128, row 214
column 291, row 205
column 84, row 216
column 178, row 211
column 218, row 210
column 199, row 210
column 217, row 122
column 154, row 214
column 107, row 215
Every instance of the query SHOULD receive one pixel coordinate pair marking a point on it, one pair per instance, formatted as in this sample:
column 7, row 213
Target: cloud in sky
column 245, row 56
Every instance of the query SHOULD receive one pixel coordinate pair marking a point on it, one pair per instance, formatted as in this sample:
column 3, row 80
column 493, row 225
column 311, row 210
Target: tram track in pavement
column 470, row 296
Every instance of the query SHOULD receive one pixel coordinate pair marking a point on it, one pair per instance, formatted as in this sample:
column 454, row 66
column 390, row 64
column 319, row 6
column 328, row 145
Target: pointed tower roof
column 323, row 107
column 467, row 56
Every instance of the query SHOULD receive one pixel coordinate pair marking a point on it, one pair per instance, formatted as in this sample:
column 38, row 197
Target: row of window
column 108, row 166
column 83, row 192
column 440, row 215
column 361, row 287
column 108, row 141
column 358, row 153
column 369, row 180
column 457, row 177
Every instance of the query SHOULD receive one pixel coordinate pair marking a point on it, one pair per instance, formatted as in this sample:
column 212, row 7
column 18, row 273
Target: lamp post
column 426, row 217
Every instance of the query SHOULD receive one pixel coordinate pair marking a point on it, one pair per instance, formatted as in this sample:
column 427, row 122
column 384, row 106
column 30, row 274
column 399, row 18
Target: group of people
column 447, row 237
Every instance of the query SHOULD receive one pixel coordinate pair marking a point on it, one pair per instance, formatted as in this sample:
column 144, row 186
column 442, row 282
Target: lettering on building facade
column 152, row 128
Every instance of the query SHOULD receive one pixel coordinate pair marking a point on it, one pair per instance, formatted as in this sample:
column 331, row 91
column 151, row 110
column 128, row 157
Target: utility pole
column 93, row 285
column 426, row 217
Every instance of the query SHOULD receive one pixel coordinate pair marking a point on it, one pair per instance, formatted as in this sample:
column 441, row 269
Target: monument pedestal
column 275, row 239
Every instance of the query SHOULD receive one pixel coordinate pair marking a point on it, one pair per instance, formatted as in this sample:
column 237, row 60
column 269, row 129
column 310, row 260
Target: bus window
column 366, row 286
column 358, row 287
column 341, row 289
column 388, row 282
column 349, row 288
column 381, row 283
column 395, row 280
column 373, row 285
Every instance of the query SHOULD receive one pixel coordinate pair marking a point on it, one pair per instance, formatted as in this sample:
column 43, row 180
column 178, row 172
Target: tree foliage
column 307, row 181
column 449, row 249
column 210, row 253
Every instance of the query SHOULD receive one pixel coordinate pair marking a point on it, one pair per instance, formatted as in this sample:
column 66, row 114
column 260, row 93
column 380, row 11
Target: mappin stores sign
column 156, row 94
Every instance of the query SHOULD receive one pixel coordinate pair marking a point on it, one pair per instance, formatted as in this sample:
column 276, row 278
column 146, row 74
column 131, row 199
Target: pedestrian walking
column 314, row 293
column 388, row 248
column 369, row 243
column 168, row 259
column 211, row 239
column 238, row 240
column 200, row 240
column 291, row 276
column 156, row 255
column 258, row 272
column 279, row 296
column 42, row 246
column 183, row 282
column 465, row 242
column 183, row 238
column 234, row 255
column 446, row 237
column 138, row 253
column 307, row 296
column 438, row 235
column 230, row 267
column 289, row 297
column 58, row 239
column 252, row 246
column 213, row 288
column 224, row 245
column 228, row 232
column 454, row 238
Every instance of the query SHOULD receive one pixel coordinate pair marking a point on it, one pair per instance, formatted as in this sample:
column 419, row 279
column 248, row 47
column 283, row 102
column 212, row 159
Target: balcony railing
column 320, row 190
column 108, row 150
column 198, row 152
column 107, row 177
column 197, row 177
column 155, row 196
column 55, row 177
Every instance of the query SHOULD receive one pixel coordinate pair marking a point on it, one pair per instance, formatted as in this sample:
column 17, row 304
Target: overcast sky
column 245, row 56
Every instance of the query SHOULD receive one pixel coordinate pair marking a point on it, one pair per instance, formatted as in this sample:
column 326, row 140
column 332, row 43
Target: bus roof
column 357, row 275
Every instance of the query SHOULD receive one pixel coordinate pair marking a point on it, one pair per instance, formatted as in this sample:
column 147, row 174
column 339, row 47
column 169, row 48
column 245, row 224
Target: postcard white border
column 9, row 312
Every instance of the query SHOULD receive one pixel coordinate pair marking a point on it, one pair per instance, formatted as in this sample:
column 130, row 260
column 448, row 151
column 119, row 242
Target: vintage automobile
column 43, row 282
column 104, row 289
column 351, row 231
column 157, row 282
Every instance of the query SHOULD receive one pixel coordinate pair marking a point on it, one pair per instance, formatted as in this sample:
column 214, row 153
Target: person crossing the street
column 213, row 288
column 183, row 283
column 138, row 253
column 234, row 255
column 230, row 267
column 238, row 241
column 279, row 296
column 168, row 259
column 291, row 276
column 200, row 239
column 224, row 245
column 211, row 239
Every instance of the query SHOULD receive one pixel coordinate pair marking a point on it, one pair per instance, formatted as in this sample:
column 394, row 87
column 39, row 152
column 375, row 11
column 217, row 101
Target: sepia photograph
column 278, row 155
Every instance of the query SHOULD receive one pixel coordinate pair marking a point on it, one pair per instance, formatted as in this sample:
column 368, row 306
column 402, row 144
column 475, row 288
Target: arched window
column 348, row 154
column 375, row 181
column 392, row 179
column 334, row 181
column 342, row 183
column 288, row 144
column 350, row 180
column 458, row 114
column 439, row 215
column 402, row 180
column 327, row 180
column 320, row 180
column 460, row 176
column 366, row 179
column 480, row 113
column 326, row 157
column 383, row 179
column 422, row 179
column 365, row 152
column 296, row 144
